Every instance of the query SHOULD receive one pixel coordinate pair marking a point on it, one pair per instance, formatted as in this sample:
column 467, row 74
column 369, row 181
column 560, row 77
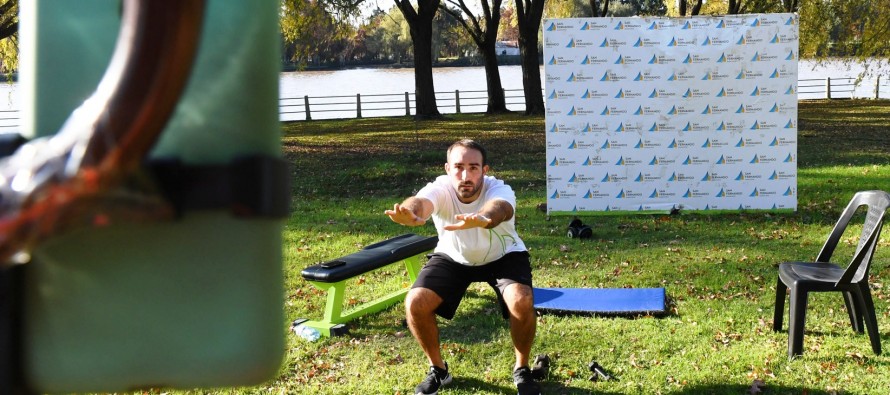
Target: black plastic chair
column 823, row 276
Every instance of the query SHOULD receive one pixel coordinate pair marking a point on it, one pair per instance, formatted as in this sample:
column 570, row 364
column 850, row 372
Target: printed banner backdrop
column 654, row 114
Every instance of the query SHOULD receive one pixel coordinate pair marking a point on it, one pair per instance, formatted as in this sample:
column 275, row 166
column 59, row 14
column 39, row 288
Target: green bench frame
column 408, row 249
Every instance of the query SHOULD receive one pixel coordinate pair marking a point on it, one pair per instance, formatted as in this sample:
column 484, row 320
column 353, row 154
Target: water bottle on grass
column 305, row 332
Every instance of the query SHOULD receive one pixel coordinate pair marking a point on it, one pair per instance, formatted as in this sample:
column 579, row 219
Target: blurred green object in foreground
column 192, row 302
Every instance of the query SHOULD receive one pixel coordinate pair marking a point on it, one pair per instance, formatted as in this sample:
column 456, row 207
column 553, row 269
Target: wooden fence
column 396, row 104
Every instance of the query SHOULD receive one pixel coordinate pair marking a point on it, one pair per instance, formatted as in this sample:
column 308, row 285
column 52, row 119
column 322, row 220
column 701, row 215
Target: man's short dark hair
column 469, row 144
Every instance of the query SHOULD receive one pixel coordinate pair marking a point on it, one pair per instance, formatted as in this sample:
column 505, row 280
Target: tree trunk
column 425, row 92
column 682, row 8
column 733, row 8
column 497, row 103
column 531, row 79
column 595, row 9
column 485, row 40
column 696, row 8
column 9, row 24
column 420, row 23
column 529, row 13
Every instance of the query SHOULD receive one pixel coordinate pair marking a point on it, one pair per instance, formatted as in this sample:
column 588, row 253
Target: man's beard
column 467, row 190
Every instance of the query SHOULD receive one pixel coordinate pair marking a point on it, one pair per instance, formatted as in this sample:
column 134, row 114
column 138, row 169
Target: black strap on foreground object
column 9, row 142
column 10, row 304
column 254, row 186
column 10, row 331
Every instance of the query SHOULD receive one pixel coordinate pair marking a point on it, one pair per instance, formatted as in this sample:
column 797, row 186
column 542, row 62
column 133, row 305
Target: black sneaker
column 525, row 384
column 435, row 379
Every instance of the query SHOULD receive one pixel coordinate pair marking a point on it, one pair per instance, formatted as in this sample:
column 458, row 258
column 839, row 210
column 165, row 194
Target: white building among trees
column 509, row 48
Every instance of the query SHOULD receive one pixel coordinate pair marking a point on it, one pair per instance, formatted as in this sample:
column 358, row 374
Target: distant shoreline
column 504, row 60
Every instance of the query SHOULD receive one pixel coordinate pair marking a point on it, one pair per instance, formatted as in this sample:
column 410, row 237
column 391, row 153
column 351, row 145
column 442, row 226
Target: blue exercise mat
column 608, row 301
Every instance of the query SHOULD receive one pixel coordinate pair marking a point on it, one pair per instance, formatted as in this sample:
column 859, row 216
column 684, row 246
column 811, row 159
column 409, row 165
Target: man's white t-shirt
column 476, row 246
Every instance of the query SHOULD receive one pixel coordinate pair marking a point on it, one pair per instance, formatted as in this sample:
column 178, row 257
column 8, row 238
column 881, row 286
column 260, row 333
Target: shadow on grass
column 813, row 335
column 736, row 389
column 479, row 386
column 851, row 132
column 385, row 156
column 712, row 389
column 395, row 156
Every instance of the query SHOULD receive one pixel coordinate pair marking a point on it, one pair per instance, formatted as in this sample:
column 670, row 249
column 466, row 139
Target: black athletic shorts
column 450, row 279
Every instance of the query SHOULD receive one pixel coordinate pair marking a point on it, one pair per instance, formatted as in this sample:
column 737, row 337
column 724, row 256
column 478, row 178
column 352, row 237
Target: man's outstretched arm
column 414, row 211
column 491, row 215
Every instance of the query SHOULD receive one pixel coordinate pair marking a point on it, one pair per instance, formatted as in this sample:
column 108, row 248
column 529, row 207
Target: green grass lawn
column 719, row 270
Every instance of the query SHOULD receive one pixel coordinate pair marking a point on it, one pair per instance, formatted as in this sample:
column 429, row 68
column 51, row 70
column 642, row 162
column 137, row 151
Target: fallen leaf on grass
column 856, row 356
column 756, row 387
column 395, row 360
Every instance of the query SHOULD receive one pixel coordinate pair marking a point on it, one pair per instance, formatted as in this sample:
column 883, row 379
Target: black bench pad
column 371, row 257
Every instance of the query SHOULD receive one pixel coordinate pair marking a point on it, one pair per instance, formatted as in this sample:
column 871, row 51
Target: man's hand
column 468, row 221
column 403, row 215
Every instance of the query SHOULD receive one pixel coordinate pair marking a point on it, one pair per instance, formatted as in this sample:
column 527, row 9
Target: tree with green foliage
column 313, row 32
column 9, row 18
column 858, row 30
column 646, row 7
column 484, row 31
column 597, row 10
column 450, row 40
column 528, row 16
column 508, row 30
column 622, row 10
column 790, row 5
column 736, row 7
column 388, row 37
column 605, row 8
column 420, row 23
column 9, row 27
column 577, row 8
column 567, row 9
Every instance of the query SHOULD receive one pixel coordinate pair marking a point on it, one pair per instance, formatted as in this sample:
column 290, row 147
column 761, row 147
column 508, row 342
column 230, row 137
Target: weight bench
column 331, row 276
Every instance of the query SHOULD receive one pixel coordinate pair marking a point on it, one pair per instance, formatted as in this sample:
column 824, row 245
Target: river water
column 470, row 81
column 448, row 79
